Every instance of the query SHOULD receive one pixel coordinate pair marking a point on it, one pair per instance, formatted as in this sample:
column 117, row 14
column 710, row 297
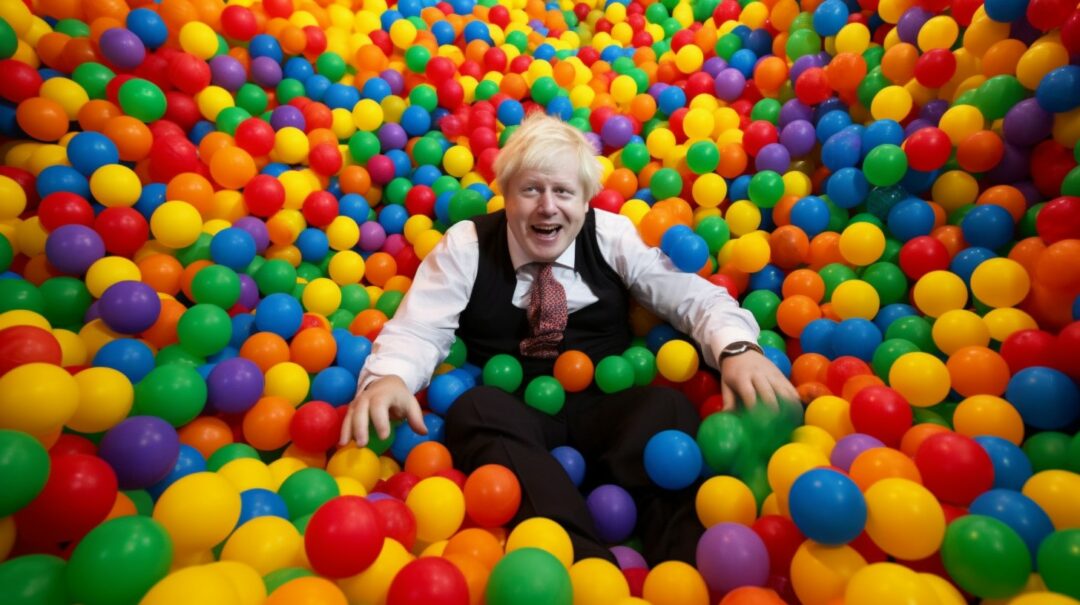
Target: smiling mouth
column 547, row 231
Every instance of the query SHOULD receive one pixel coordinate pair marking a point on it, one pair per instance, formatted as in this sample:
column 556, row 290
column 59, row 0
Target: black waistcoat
column 491, row 324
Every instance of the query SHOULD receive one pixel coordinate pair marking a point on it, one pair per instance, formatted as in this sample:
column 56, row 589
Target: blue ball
column 827, row 506
column 265, row 45
column 298, row 68
column 672, row 235
column 243, row 326
column 148, row 26
column 739, row 189
column 817, row 337
column 811, row 214
column 1046, row 398
column 572, row 462
column 132, row 358
column 334, row 385
column 1076, row 308
column 910, row 218
column 690, row 253
column 443, row 391
column 233, row 247
column 376, row 88
column 744, row 60
column 672, row 459
column 856, row 337
column 560, row 107
column 1005, row 11
column 279, row 313
column 510, row 112
column 1012, row 468
column 965, row 261
column 847, row 187
column 842, row 150
column 416, row 120
column 392, row 218
column 1059, row 90
column 259, row 502
column 988, row 225
column 316, row 86
column 779, row 359
column 405, row 438
column 829, row 17
column 188, row 462
column 881, row 132
column 353, row 352
column 313, row 244
column 658, row 335
column 671, row 99
column 477, row 30
column 88, row 151
column 62, row 178
column 444, row 32
column 769, row 278
column 1019, row 512
column 831, row 122
column 891, row 313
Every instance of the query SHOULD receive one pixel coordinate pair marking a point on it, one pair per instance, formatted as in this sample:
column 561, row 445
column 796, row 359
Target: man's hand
column 384, row 400
column 751, row 377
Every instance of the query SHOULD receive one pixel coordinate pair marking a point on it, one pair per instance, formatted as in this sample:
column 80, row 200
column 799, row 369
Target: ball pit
column 208, row 212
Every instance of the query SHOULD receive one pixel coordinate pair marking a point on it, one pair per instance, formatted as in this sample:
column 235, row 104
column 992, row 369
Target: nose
column 546, row 203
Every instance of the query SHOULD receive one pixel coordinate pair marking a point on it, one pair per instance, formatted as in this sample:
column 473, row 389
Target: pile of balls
column 208, row 211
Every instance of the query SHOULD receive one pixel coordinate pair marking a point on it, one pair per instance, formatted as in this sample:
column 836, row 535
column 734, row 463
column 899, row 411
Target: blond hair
column 536, row 144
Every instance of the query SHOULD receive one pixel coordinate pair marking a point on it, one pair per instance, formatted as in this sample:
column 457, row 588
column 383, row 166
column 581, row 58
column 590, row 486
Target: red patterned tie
column 547, row 316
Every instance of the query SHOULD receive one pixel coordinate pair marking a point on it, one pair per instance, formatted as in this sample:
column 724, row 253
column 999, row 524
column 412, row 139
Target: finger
column 416, row 417
column 360, row 421
column 766, row 393
column 729, row 397
column 745, row 390
column 380, row 419
column 346, row 425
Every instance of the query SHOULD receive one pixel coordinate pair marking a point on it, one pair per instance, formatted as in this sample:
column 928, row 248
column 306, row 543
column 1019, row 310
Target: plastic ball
column 827, row 506
column 730, row 555
column 672, row 459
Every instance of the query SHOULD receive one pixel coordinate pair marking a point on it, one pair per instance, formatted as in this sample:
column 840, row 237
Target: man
column 546, row 276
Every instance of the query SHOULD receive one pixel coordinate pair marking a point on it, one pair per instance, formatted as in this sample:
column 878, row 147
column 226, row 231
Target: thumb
column 416, row 418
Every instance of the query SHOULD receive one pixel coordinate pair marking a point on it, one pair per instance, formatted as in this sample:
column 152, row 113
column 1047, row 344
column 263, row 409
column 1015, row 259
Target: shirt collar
column 519, row 258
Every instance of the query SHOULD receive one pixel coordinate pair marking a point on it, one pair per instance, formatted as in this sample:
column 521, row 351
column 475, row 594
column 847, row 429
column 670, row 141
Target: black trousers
column 489, row 426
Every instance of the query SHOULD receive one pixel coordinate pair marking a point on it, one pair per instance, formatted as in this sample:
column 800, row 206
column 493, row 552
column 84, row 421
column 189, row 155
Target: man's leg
column 611, row 431
column 489, row 426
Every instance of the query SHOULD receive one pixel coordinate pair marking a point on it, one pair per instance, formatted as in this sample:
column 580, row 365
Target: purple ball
column 249, row 291
column 234, row 385
column 802, row 64
column 594, row 140
column 911, row 22
column 227, row 73
column 376, row 496
column 729, row 84
column 394, row 79
column 714, row 65
column 1026, row 123
column 129, row 307
column 392, row 136
column 916, row 125
column 265, row 71
column 628, row 558
column 73, row 248
column 92, row 312
column 773, row 156
column 730, row 555
column 257, row 228
column 284, row 116
column 617, row 131
column 792, row 110
column 141, row 449
column 799, row 137
column 613, row 511
column 394, row 243
column 656, row 89
column 122, row 48
column 933, row 111
column 372, row 236
column 849, row 447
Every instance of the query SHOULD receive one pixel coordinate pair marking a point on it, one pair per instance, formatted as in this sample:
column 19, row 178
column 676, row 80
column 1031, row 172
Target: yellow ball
column 1056, row 492
column 888, row 584
column 322, row 296
column 623, row 89
column 955, row 189
column 346, row 267
column 832, row 414
column 904, row 519
column 961, row 121
column 359, row 463
column 12, row 199
column 176, row 224
column 544, row 534
column 426, row 241
column 724, row 499
column 246, row 581
column 458, row 161
column 1000, row 282
column 198, row 510
column 856, row 298
column 196, row 584
column 266, row 544
column 891, row 103
column 402, row 33
column 597, row 582
column 212, row 100
column 115, row 185
column 699, row 123
column 660, row 142
column 247, row 473
column 989, row 415
column 790, row 461
column 368, row 115
column 291, row 145
column 921, row 378
column 439, row 507
column 372, row 584
column 343, row 233
column 689, row 58
column 198, row 39
column 939, row 32
column 751, row 253
column 288, row 380
column 105, row 398
column 816, row 437
column 108, row 271
column 820, row 573
column 677, row 360
column 1003, row 322
column 959, row 328
column 1038, row 61
column 853, row 38
column 675, row 583
column 940, row 291
column 709, row 190
column 37, row 398
column 743, row 217
column 862, row 243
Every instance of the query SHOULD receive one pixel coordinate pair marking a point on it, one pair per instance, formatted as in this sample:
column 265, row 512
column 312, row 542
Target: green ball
column 771, row 338
column 144, row 504
column 20, row 294
column 457, row 354
column 289, row 89
column 885, row 165
column 486, row 89
column 913, row 329
column 34, row 579
column 803, row 42
column 1058, row 559
column 119, row 561
column 423, row 95
column 613, row 374
column 200, row 250
column 767, row 110
column 715, row 231
column 275, row 276
column 142, row 100
column 252, row 98
column 926, row 416
column 872, row 84
column 176, row 354
column 503, row 372
column 306, row 490
column 388, row 302
column 7, row 254
column 886, row 354
column 363, row 146
column 726, row 46
column 416, row 59
column 24, row 468
column 465, row 204
column 763, row 305
column 888, row 280
column 635, row 156
column 985, row 557
column 643, row 363
column 754, row 473
column 545, row 394
column 278, row 577
column 94, row 78
column 216, row 285
column 703, row 157
column 657, row 13
column 722, row 440
column 229, row 119
column 666, row 183
column 996, row 96
column 428, row 152
column 529, row 576
column 544, row 90
column 173, row 392
column 766, row 188
column 341, row 319
column 204, row 329
column 1048, row 450
column 227, row 453
column 331, row 65
column 9, row 41
column 396, row 190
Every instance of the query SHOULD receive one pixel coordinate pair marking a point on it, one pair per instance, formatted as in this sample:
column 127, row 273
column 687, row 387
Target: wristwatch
column 738, row 348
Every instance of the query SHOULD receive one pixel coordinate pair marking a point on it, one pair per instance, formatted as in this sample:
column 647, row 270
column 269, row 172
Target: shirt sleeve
column 692, row 304
column 413, row 343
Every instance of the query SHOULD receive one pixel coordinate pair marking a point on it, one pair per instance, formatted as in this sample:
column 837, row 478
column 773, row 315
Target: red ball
column 728, row 10
column 1059, row 219
column 1066, row 345
column 397, row 521
column 923, row 254
column 189, row 73
column 881, row 412
column 64, row 208
column 439, row 70
column 711, row 405
column 1027, row 348
column 928, row 148
column 264, row 195
column 18, row 81
column 935, row 68
column 842, row 369
column 123, row 230
column 608, row 199
column 428, row 581
column 495, row 59
column 954, row 467
column 636, row 579
column 381, row 169
column 20, row 345
column 181, row 109
column 492, row 495
column 420, row 200
column 316, row 40
column 172, row 155
column 255, row 136
column 70, row 443
column 78, row 495
column 1049, row 14
column 238, row 23
column 1070, row 32
column 343, row 537
column 278, row 8
column 812, row 86
column 482, row 138
column 400, row 484
column 325, row 159
column 452, row 474
column 869, row 551
column 700, row 387
column 315, row 427
column 759, row 134
column 407, row 262
column 782, row 538
column 1050, row 163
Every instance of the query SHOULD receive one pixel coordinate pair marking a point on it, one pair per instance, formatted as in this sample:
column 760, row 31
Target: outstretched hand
column 751, row 377
column 383, row 400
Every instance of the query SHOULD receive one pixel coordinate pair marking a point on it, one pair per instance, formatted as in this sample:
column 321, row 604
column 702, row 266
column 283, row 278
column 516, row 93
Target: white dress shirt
column 419, row 336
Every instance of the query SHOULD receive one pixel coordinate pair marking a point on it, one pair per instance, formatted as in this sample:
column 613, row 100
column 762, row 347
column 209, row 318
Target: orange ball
column 770, row 73
column 654, row 224
column 914, row 437
column 978, row 371
column 624, row 181
column 789, row 247
column 132, row 138
column 805, row 282
column 96, row 113
column 733, row 161
column 476, row 575
column 368, row 323
column 163, row 332
column 194, row 189
column 428, row 458
column 492, row 495
column 879, row 463
column 752, row 595
column 266, row 424
column 825, row 250
column 478, row 543
column 314, row 349
column 574, row 371
column 265, row 349
column 379, row 268
column 809, row 367
column 206, row 434
column 232, row 167
column 42, row 119
column 162, row 273
column 795, row 312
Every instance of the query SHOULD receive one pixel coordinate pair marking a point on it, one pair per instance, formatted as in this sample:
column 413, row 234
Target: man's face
column 545, row 210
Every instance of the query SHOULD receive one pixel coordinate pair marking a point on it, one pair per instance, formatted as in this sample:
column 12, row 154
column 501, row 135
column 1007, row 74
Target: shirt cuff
column 725, row 338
